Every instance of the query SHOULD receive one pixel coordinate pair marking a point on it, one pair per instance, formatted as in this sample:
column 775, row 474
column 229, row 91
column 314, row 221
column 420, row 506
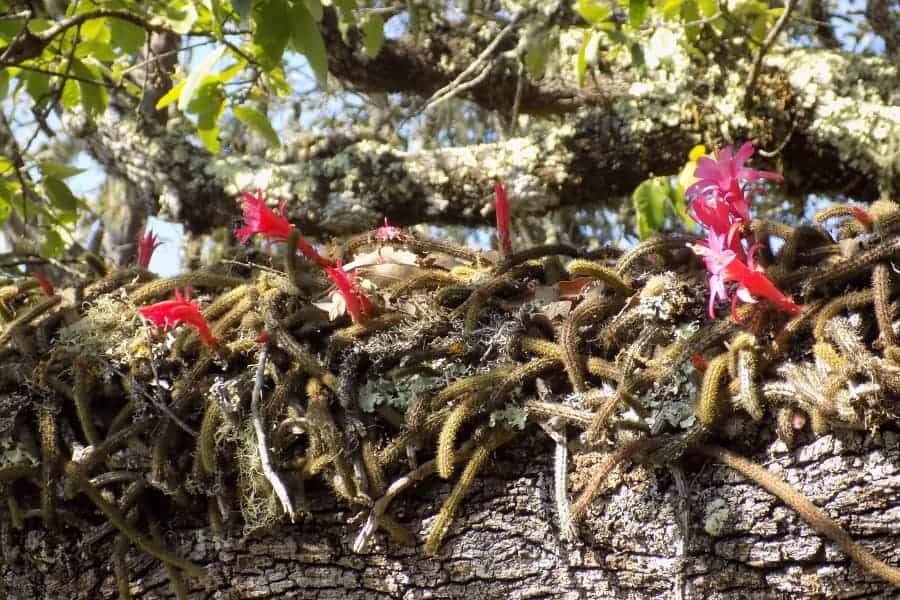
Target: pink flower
column 170, row 313
column 147, row 243
column 724, row 266
column 274, row 227
column 387, row 232
column 720, row 184
column 501, row 209
column 358, row 305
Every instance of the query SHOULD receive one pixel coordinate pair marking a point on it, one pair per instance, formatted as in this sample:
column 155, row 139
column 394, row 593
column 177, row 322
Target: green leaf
column 170, row 96
column 708, row 7
column 346, row 15
column 650, row 205
column 679, row 206
column 230, row 73
column 4, row 84
column 10, row 29
column 93, row 96
column 208, row 104
column 53, row 245
column 373, row 30
column 592, row 11
column 315, row 9
column 71, row 94
column 538, row 52
column 637, row 12
column 671, row 9
column 178, row 15
column 210, row 139
column 759, row 29
column 276, row 81
column 5, row 202
column 38, row 86
column 60, row 195
column 95, row 29
column 126, row 36
column 196, row 77
column 258, row 122
column 690, row 13
column 581, row 59
column 272, row 19
column 97, row 49
column 59, row 170
column 308, row 40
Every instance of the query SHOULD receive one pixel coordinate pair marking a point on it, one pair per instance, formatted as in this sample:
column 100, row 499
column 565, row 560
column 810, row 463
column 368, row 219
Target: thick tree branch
column 884, row 18
column 404, row 65
column 28, row 45
column 504, row 542
column 831, row 112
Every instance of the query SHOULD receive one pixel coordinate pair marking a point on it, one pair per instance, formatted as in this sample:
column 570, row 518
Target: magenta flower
column 272, row 226
column 719, row 190
column 358, row 305
column 501, row 209
column 387, row 232
column 724, row 266
column 147, row 243
column 170, row 313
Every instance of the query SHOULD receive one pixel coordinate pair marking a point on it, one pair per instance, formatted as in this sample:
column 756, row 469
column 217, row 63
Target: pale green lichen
column 513, row 416
column 849, row 97
column 717, row 516
column 397, row 393
column 106, row 329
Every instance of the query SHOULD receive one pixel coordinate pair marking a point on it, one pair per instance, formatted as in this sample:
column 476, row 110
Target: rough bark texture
column 742, row 543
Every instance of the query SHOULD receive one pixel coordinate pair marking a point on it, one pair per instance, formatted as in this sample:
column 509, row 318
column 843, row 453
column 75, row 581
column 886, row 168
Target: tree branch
column 824, row 104
column 30, row 45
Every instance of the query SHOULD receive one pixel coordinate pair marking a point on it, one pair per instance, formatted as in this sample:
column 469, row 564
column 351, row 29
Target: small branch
column 427, row 469
column 764, row 47
column 262, row 448
column 556, row 429
column 517, row 100
column 65, row 75
column 30, row 45
column 25, row 14
column 482, row 65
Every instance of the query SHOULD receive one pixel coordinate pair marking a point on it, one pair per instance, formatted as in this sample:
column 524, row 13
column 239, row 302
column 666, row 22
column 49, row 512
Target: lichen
column 717, row 517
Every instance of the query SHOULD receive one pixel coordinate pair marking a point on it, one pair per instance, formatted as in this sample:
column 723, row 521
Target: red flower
column 45, row 284
column 387, row 232
column 170, row 313
column 501, row 209
column 718, row 197
column 147, row 243
column 863, row 216
column 274, row 227
column 724, row 266
column 358, row 305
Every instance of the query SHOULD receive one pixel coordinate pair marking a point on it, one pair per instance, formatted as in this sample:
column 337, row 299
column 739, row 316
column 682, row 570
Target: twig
column 517, row 101
column 152, row 397
column 764, row 47
column 30, row 45
column 481, row 64
column 262, row 448
column 426, row 469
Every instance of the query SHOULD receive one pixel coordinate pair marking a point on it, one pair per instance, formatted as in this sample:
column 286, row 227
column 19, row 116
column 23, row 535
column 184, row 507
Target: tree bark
column 740, row 541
